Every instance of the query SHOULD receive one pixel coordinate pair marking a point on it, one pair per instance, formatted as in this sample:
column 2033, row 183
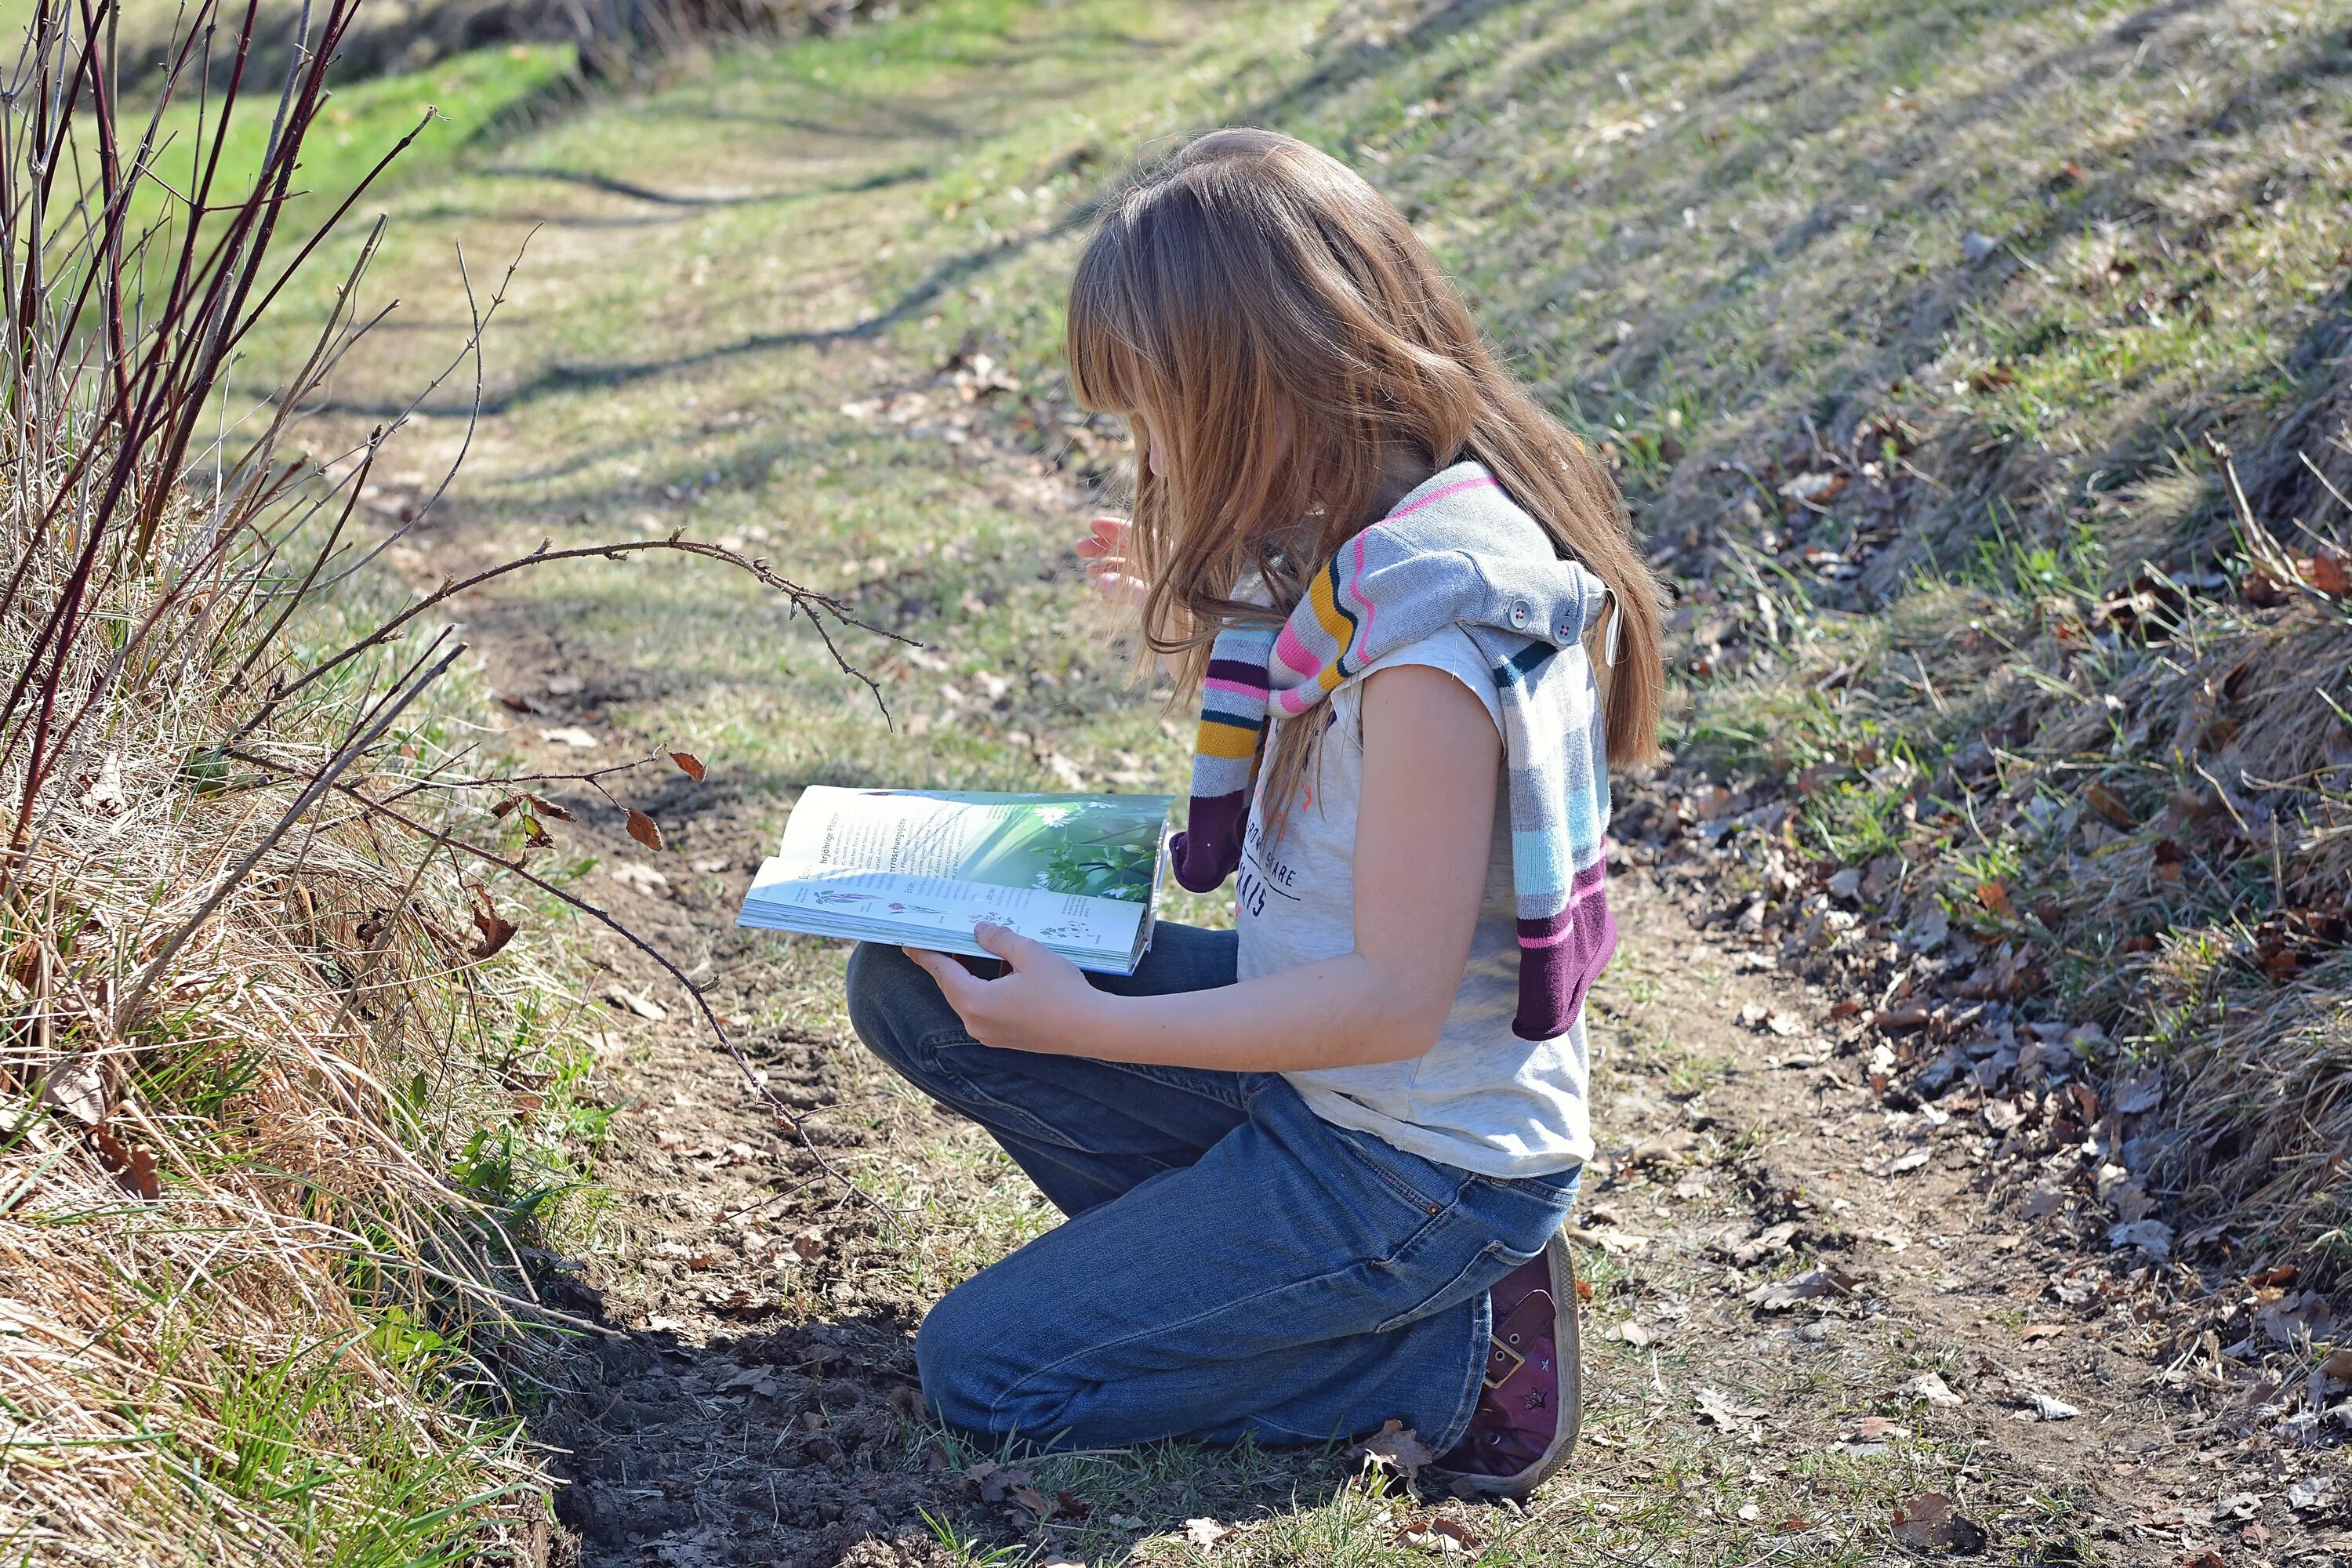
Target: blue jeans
column 1233, row 1265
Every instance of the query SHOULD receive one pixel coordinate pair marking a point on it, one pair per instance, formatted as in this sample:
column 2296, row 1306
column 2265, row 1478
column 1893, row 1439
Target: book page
column 1090, row 846
column 937, row 911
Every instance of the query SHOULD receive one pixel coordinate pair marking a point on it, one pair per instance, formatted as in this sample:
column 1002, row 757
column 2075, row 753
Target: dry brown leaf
column 77, row 1087
column 2110, row 805
column 644, row 829
column 1778, row 1295
column 629, row 1001
column 496, row 928
column 688, row 763
column 1458, row 1531
column 1994, row 895
column 1720, row 1408
column 534, row 805
column 1435, row 1532
column 1934, row 1523
column 1395, row 1447
column 134, row 1168
column 1931, row 1388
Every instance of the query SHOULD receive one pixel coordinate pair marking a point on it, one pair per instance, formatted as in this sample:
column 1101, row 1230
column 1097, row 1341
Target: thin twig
column 320, row 781
column 613, row 923
column 807, row 601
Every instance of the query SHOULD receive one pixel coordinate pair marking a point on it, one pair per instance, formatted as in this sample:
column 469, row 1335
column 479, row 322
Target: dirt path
column 1820, row 1295
column 1808, row 1307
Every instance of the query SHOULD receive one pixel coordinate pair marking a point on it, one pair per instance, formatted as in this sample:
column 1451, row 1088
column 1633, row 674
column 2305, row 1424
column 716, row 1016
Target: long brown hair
column 1273, row 328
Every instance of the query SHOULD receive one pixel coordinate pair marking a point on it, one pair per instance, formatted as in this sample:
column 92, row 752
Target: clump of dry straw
column 245, row 1306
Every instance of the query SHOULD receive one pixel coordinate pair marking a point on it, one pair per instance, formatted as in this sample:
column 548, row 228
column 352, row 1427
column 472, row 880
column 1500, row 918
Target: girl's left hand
column 1041, row 1003
column 1105, row 552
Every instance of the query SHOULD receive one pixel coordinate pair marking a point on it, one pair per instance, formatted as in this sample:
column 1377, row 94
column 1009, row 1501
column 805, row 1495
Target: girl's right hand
column 1104, row 550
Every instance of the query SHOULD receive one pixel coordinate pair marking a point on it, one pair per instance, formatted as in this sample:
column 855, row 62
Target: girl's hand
column 1104, row 550
column 1041, row 1003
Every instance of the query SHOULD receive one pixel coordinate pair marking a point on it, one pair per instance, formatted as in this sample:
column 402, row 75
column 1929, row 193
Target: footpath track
column 1824, row 1328
column 1806, row 1304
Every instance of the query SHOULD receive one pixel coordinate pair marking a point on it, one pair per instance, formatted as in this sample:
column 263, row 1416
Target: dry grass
column 254, row 1345
column 2125, row 789
column 274, row 1130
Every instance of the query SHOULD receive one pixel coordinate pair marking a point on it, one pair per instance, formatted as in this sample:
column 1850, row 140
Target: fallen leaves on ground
column 1396, row 1448
column 574, row 736
column 1206, row 1533
column 1771, row 1239
column 2048, row 1407
column 1931, row 1388
column 629, row 1001
column 1437, row 1534
column 77, row 1087
column 1779, row 1295
column 1715, row 1406
column 133, row 1167
column 639, row 879
column 1934, row 1523
column 2110, row 805
column 2313, row 1494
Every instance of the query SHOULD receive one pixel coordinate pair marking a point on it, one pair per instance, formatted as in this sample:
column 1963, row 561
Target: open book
column 919, row 867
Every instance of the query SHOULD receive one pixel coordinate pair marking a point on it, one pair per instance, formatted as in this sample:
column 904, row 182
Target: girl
column 1315, row 1167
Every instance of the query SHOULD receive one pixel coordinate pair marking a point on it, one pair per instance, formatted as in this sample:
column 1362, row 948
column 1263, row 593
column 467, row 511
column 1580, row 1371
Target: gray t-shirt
column 1481, row 1099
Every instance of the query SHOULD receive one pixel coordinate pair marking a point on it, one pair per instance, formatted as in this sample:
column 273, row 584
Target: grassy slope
column 359, row 1431
column 1991, row 267
column 1703, row 229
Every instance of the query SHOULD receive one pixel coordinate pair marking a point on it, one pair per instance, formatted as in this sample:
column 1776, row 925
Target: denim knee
column 954, row 1350
column 882, row 984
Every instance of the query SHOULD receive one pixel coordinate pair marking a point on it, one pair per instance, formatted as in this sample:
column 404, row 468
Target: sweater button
column 1520, row 610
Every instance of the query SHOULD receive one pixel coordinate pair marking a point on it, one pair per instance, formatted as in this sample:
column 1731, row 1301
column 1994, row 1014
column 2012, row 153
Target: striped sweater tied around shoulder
column 1456, row 551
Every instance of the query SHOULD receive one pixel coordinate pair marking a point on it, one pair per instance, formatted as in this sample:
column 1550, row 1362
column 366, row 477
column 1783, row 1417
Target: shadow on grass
column 556, row 379
column 614, row 185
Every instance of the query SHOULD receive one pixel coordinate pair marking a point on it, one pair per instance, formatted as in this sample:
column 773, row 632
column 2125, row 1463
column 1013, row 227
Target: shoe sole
column 1568, row 1350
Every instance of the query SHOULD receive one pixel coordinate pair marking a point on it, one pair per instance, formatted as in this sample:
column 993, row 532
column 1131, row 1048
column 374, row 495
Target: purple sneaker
column 1525, row 1425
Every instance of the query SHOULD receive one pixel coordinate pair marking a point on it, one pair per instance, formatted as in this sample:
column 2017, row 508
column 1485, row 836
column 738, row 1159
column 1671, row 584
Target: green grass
column 685, row 366
column 1702, row 230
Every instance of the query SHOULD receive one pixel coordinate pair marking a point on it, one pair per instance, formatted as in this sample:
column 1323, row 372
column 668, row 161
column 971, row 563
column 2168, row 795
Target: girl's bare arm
column 1424, row 827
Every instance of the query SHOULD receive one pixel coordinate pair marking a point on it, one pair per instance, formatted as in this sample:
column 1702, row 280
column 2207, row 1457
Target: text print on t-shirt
column 1258, row 876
